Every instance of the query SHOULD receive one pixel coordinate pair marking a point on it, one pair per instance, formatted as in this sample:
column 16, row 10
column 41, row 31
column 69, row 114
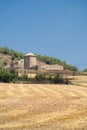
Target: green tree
column 8, row 75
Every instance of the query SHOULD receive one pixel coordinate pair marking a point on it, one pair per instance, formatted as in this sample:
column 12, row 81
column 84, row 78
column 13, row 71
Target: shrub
column 40, row 77
column 8, row 75
column 58, row 79
column 25, row 77
column 4, row 75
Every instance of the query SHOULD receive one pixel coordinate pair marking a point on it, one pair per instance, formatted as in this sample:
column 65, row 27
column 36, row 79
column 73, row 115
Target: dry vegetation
column 79, row 80
column 43, row 107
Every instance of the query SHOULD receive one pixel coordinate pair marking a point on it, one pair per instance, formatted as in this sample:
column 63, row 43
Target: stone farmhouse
column 30, row 62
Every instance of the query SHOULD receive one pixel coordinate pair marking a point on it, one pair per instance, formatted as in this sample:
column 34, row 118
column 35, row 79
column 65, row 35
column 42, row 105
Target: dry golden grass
column 43, row 107
column 79, row 80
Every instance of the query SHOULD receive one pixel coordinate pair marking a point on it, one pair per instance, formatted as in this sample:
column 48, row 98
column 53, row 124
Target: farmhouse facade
column 30, row 62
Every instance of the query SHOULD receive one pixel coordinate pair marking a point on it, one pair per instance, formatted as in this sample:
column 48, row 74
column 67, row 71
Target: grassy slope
column 43, row 107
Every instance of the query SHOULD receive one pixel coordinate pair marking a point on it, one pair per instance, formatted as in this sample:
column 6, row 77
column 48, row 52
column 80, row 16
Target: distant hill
column 7, row 55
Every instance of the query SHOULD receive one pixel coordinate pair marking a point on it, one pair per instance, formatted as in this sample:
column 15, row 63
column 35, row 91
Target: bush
column 58, row 79
column 4, row 75
column 8, row 75
column 40, row 77
column 25, row 77
column 67, row 81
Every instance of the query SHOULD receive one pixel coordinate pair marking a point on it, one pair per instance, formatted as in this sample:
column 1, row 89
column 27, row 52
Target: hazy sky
column 56, row 28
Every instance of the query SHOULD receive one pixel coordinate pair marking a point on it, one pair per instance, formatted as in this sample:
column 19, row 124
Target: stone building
column 54, row 67
column 30, row 61
column 17, row 64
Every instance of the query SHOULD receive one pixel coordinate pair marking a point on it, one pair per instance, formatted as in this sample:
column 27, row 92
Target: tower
column 30, row 61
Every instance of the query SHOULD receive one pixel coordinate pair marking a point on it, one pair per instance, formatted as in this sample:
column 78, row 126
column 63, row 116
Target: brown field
column 79, row 80
column 43, row 107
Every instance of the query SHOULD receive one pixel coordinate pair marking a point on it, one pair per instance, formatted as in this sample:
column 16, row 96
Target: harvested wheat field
column 79, row 80
column 43, row 107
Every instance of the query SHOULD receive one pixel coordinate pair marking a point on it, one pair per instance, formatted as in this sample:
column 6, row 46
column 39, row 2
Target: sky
column 56, row 28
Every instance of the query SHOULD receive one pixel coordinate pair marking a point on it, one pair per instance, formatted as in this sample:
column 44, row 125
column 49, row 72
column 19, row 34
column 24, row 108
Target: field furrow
column 39, row 107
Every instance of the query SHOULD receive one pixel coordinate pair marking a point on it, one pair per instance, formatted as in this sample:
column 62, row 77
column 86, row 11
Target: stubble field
column 43, row 107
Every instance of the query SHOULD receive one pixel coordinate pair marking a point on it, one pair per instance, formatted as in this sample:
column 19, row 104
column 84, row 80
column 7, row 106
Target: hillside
column 51, row 60
column 7, row 55
column 43, row 107
column 5, row 59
